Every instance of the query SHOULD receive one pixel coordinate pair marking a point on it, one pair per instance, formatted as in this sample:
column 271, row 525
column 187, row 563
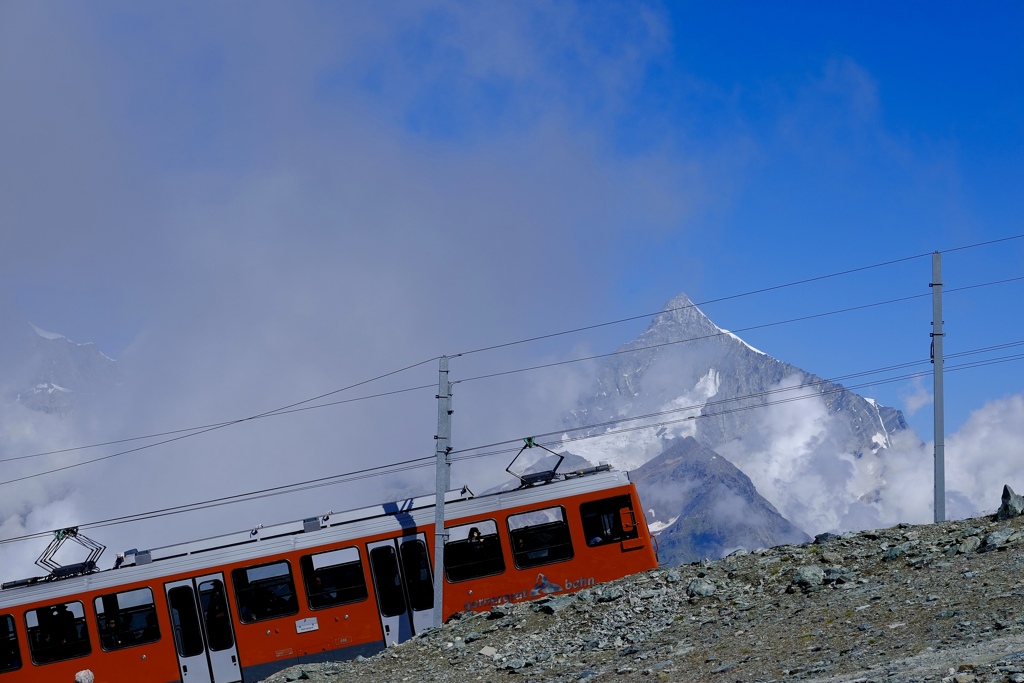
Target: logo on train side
column 543, row 586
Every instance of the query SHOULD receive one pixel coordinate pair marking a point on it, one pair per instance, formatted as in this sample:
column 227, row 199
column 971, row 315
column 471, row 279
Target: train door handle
column 387, row 629
column 184, row 669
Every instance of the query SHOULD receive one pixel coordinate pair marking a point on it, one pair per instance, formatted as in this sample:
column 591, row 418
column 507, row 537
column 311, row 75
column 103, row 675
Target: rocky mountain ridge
column 937, row 602
column 701, row 505
column 814, row 449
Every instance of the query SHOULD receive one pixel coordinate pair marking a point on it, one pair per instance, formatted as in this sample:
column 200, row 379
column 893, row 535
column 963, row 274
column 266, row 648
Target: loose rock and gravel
column 939, row 602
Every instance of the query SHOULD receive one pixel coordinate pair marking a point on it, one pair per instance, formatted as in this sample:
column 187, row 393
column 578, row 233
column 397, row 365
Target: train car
column 242, row 606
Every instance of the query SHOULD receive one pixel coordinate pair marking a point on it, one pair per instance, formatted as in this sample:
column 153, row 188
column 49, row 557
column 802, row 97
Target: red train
column 243, row 606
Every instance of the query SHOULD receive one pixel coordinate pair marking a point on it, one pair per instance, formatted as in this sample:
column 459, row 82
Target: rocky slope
column 937, row 602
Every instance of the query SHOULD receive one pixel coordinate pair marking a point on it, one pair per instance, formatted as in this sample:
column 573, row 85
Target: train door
column 404, row 585
column 201, row 621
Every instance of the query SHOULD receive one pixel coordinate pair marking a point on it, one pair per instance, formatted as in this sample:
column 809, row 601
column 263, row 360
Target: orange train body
column 243, row 606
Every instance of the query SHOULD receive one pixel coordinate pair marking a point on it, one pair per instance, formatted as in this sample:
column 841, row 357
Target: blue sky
column 249, row 206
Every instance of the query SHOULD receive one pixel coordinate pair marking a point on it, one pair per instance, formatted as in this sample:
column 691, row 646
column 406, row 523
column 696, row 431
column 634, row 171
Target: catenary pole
column 443, row 453
column 940, row 427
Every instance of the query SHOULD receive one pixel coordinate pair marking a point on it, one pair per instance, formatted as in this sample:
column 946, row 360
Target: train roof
column 335, row 527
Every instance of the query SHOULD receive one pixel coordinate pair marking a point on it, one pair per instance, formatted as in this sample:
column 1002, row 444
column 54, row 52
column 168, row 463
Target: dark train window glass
column 10, row 655
column 126, row 619
column 264, row 592
column 603, row 520
column 214, row 606
column 473, row 550
column 418, row 579
column 387, row 581
column 188, row 637
column 333, row 578
column 540, row 537
column 57, row 632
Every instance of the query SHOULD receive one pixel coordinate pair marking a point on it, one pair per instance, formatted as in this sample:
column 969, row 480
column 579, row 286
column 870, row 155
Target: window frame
column 493, row 563
column 247, row 588
column 9, row 646
column 592, row 512
column 535, row 551
column 418, row 579
column 310, row 572
column 81, row 647
column 99, row 605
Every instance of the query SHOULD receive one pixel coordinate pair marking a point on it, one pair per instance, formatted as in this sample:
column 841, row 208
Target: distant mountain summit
column 809, row 445
column 701, row 506
column 47, row 372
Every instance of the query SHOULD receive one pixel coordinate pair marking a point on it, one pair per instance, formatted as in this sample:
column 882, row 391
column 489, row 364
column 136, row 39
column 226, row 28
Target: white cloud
column 982, row 456
column 916, row 396
column 278, row 204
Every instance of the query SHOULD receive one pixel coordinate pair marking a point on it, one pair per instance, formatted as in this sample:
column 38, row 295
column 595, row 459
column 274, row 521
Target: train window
column 188, row 637
column 418, row 579
column 215, row 615
column 387, row 580
column 608, row 521
column 473, row 550
column 540, row 537
column 333, row 578
column 126, row 619
column 57, row 632
column 264, row 592
column 10, row 655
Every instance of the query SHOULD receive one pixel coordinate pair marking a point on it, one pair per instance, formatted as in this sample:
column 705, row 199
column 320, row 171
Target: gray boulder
column 1012, row 505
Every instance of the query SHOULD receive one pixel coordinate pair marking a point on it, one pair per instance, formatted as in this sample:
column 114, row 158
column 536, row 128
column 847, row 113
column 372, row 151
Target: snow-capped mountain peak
column 810, row 446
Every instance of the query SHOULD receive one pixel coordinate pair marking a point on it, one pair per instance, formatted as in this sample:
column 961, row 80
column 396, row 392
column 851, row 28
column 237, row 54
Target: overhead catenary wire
column 515, row 442
column 731, row 297
column 293, row 407
column 722, row 333
column 287, row 409
column 244, row 497
column 298, row 405
column 426, row 461
column 218, row 424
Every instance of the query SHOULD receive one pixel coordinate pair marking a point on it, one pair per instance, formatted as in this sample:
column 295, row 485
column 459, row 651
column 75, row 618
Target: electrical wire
column 722, row 333
column 293, row 407
column 287, row 409
column 425, row 461
column 733, row 296
column 219, row 424
column 247, row 496
column 762, row 394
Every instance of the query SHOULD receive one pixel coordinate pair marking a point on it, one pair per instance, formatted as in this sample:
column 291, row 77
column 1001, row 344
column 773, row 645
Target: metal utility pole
column 443, row 452
column 940, row 427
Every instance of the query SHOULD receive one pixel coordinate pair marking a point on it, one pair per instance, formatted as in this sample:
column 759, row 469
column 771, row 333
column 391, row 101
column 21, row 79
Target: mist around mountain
column 702, row 506
column 46, row 372
column 815, row 450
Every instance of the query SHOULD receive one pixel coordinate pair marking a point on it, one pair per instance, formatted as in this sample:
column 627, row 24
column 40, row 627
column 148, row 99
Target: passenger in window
column 111, row 638
column 474, row 535
column 64, row 625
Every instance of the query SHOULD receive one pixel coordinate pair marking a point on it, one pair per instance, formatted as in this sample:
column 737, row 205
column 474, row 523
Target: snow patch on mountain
column 655, row 527
column 630, row 444
column 811, row 447
column 47, row 335
column 744, row 343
